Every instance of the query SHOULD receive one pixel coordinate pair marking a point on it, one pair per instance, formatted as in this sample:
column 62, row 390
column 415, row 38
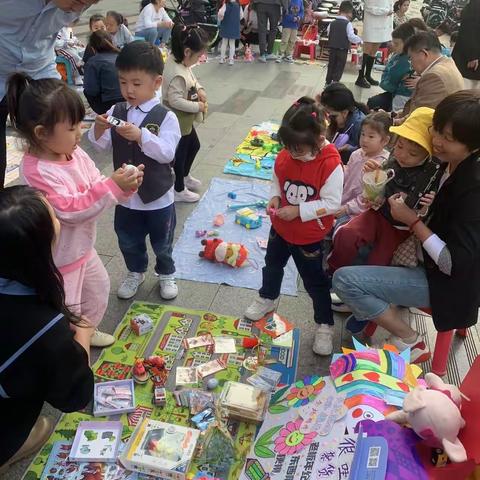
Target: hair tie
column 296, row 104
column 314, row 114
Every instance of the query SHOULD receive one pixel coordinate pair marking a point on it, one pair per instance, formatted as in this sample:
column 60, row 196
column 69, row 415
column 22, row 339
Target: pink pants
column 87, row 290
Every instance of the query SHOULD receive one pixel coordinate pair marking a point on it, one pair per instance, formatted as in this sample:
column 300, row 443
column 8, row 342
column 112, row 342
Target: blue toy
column 248, row 218
column 232, row 195
column 258, row 204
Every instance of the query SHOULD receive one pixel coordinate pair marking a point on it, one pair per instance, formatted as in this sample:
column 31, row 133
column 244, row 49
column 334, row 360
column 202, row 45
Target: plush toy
column 216, row 250
column 248, row 55
column 434, row 415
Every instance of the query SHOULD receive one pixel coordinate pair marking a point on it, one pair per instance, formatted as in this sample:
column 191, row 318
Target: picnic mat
column 171, row 326
column 189, row 266
column 257, row 162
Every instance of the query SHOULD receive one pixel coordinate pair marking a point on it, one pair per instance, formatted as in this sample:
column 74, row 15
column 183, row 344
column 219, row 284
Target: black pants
column 270, row 13
column 381, row 101
column 337, row 58
column 3, row 140
column 187, row 150
column 308, row 259
column 251, row 38
column 98, row 106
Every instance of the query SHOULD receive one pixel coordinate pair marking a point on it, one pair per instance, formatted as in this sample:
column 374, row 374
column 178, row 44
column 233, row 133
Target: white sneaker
column 222, row 60
column 130, row 284
column 271, row 56
column 338, row 305
column 259, row 308
column 419, row 351
column 186, row 196
column 192, row 183
column 168, row 287
column 322, row 344
column 289, row 59
column 231, row 62
column 279, row 59
column 101, row 339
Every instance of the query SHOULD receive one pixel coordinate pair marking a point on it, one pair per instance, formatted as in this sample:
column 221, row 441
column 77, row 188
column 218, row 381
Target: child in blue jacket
column 229, row 15
column 291, row 23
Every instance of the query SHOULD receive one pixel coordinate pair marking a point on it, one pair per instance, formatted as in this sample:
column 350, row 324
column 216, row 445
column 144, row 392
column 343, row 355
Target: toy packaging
column 186, row 376
column 160, row 449
column 141, row 324
column 113, row 398
column 96, row 442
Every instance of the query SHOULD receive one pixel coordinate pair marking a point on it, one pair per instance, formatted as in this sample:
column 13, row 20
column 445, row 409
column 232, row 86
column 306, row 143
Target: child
column 183, row 95
column 69, row 47
column 306, row 192
column 100, row 82
column 346, row 116
column 116, row 27
column 229, row 15
column 48, row 115
column 149, row 137
column 96, row 22
column 340, row 37
column 374, row 137
column 153, row 22
column 290, row 23
column 373, row 236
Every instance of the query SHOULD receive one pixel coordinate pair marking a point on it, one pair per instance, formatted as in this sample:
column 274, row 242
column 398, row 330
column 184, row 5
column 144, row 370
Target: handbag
column 406, row 253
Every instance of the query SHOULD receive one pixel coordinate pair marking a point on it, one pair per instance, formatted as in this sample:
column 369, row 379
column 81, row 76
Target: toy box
column 96, row 442
column 160, row 449
column 248, row 218
column 113, row 398
column 141, row 324
column 159, row 396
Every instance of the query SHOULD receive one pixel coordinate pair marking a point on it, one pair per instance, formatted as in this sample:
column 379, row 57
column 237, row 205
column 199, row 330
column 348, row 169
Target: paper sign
column 320, row 415
column 224, row 345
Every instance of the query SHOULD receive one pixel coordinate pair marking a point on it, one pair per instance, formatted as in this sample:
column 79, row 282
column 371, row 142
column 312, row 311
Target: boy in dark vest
column 148, row 137
column 340, row 37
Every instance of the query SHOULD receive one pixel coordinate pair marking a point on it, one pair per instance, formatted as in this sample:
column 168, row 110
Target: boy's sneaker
column 186, row 196
column 279, row 59
column 168, row 287
column 231, row 62
column 101, row 339
column 259, row 308
column 353, row 325
column 419, row 352
column 271, row 56
column 192, row 183
column 262, row 58
column 323, row 345
column 222, row 60
column 288, row 59
column 130, row 284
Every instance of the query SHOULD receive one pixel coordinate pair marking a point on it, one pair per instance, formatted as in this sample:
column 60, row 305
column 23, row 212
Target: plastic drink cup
column 374, row 183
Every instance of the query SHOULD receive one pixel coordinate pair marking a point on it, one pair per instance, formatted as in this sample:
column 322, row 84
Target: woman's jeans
column 370, row 290
column 149, row 34
column 164, row 34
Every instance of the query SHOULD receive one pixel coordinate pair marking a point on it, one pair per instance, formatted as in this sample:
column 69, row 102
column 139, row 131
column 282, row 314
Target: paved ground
column 239, row 96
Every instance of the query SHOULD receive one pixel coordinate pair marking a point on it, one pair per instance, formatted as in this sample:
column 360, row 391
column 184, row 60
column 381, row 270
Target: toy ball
column 216, row 250
column 212, row 383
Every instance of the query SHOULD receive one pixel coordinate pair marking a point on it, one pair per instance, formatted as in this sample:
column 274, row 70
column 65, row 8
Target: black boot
column 361, row 81
column 368, row 71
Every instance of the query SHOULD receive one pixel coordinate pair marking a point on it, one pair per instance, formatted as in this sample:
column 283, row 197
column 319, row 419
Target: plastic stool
column 301, row 48
column 276, row 46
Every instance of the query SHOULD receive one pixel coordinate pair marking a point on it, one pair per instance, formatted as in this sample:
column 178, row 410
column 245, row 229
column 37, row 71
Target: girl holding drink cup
column 372, row 237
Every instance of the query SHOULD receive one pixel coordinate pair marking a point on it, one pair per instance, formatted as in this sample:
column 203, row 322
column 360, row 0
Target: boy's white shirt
column 330, row 196
column 159, row 147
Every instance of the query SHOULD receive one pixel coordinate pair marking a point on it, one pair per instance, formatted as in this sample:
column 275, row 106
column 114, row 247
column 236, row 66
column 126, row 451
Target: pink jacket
column 352, row 197
column 78, row 193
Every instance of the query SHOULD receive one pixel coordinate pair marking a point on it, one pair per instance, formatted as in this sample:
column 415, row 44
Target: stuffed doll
column 216, row 250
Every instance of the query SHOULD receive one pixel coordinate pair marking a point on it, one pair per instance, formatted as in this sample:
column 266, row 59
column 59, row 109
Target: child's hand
column 343, row 148
column 288, row 213
column 273, row 206
column 341, row 212
column 139, row 173
column 201, row 106
column 400, row 211
column 202, row 95
column 375, row 204
column 126, row 179
column 427, row 199
column 130, row 132
column 371, row 166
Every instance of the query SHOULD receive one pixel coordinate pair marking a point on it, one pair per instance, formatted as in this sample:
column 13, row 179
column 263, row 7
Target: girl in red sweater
column 306, row 191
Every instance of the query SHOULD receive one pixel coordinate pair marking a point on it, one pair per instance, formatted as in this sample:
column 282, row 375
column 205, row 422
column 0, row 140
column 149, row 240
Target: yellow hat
column 416, row 128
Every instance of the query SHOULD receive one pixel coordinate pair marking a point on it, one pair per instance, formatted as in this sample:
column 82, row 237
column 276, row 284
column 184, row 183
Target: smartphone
column 116, row 122
column 424, row 183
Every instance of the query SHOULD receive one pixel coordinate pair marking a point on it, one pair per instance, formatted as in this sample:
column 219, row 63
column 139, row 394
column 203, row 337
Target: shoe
column 222, row 60
column 186, row 196
column 419, row 352
column 289, row 59
column 231, row 62
column 192, row 183
column 278, row 59
column 101, row 339
column 354, row 326
column 271, row 56
column 323, row 345
column 39, row 434
column 338, row 305
column 168, row 287
column 362, row 82
column 130, row 284
column 262, row 58
column 371, row 81
column 259, row 308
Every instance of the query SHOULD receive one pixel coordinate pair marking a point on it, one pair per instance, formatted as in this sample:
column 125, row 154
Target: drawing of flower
column 291, row 440
column 304, row 391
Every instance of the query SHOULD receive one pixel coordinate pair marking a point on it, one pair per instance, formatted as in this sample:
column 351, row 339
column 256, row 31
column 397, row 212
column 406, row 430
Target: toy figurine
column 248, row 55
column 155, row 361
column 434, row 415
column 139, row 373
column 233, row 254
column 218, row 220
column 257, row 142
column 200, row 233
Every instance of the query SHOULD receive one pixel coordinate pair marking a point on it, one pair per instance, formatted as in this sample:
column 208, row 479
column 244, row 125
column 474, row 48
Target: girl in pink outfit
column 48, row 115
column 374, row 137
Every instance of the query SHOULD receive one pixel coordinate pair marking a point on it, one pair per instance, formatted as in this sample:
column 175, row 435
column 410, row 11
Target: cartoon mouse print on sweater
column 298, row 192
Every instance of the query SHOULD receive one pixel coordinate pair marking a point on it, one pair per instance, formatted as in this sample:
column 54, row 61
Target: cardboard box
column 160, row 449
column 113, row 398
column 141, row 324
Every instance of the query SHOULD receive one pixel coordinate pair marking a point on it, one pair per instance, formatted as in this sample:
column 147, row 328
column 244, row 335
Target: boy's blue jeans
column 132, row 228
column 308, row 259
